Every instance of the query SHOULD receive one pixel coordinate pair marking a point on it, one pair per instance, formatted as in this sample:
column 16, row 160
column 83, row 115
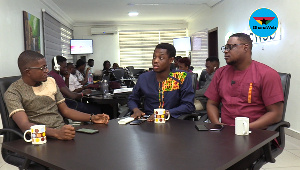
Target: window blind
column 56, row 39
column 200, row 49
column 136, row 47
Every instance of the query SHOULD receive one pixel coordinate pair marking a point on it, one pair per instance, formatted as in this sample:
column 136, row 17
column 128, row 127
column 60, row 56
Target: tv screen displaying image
column 81, row 46
column 182, row 44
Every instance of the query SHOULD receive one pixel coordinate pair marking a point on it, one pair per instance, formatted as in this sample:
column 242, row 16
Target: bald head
column 28, row 58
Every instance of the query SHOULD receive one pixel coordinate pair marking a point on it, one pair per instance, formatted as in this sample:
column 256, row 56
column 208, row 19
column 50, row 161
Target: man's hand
column 67, row 132
column 151, row 118
column 86, row 91
column 87, row 71
column 100, row 118
column 66, row 74
column 137, row 113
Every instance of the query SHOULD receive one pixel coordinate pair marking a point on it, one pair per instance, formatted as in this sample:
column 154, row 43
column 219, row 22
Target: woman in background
column 184, row 64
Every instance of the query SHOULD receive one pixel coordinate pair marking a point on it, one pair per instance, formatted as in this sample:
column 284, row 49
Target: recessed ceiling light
column 133, row 14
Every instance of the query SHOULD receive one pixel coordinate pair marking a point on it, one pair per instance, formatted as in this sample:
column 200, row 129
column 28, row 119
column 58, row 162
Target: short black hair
column 245, row 38
column 27, row 58
column 213, row 59
column 171, row 51
column 79, row 63
column 59, row 59
column 104, row 63
column 90, row 60
column 177, row 58
column 69, row 64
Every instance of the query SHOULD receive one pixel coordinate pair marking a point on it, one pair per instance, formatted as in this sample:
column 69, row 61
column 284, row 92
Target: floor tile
column 8, row 167
column 285, row 168
column 291, row 143
column 295, row 152
column 284, row 160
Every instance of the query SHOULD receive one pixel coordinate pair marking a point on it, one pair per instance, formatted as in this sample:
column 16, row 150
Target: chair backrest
column 130, row 68
column 119, row 73
column 194, row 81
column 285, row 81
column 202, row 78
column 7, row 122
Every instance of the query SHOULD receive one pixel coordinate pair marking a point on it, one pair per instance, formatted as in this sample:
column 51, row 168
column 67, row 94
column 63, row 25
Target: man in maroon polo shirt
column 246, row 88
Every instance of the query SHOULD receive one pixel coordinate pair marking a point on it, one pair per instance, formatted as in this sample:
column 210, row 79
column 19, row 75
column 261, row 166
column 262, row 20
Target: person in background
column 116, row 66
column 107, row 71
column 91, row 63
column 74, row 99
column 162, row 88
column 176, row 59
column 81, row 73
column 36, row 99
column 73, row 84
column 184, row 64
column 211, row 64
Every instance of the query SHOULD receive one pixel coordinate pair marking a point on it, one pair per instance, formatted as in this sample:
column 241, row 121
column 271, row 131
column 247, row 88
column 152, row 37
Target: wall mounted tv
column 81, row 46
column 182, row 44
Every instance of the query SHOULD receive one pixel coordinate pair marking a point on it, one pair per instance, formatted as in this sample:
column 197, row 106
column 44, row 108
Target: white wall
column 11, row 30
column 106, row 47
column 233, row 16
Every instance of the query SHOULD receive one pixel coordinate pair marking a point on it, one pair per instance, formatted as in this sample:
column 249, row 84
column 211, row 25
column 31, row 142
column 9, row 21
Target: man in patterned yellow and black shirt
column 162, row 88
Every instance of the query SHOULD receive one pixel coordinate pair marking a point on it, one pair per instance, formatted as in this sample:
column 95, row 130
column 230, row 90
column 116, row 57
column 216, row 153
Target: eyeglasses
column 43, row 68
column 229, row 47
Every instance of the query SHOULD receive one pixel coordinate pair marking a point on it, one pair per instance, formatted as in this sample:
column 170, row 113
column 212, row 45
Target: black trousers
column 83, row 107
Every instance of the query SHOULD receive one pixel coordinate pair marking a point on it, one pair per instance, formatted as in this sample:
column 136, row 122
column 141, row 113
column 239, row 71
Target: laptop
column 95, row 93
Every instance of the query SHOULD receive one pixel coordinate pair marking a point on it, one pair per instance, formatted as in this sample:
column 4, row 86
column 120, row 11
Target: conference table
column 173, row 145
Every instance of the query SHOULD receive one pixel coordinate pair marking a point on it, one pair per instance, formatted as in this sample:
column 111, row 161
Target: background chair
column 119, row 73
column 193, row 116
column 11, row 131
column 202, row 78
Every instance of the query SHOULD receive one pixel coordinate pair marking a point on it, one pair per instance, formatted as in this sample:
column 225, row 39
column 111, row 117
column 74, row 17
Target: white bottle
column 90, row 77
column 105, row 88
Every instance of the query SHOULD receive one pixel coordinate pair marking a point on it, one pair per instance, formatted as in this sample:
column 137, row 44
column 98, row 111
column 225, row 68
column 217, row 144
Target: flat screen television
column 182, row 44
column 81, row 46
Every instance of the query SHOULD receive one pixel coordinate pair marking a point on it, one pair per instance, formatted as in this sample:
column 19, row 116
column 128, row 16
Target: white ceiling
column 114, row 12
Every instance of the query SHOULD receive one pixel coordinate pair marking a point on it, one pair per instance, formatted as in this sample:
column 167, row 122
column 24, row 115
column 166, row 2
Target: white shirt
column 79, row 76
column 73, row 82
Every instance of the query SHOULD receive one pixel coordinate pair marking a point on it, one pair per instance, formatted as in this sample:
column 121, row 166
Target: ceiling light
column 133, row 14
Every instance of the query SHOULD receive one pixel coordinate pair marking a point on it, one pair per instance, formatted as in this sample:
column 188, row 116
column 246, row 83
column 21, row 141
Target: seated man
column 212, row 64
column 57, row 75
column 35, row 99
column 73, row 84
column 162, row 88
column 245, row 87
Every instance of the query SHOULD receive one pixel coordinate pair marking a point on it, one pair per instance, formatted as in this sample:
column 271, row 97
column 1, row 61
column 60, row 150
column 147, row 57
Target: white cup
column 38, row 134
column 159, row 116
column 242, row 126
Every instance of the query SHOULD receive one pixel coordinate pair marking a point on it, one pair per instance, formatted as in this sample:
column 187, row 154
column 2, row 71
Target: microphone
column 232, row 82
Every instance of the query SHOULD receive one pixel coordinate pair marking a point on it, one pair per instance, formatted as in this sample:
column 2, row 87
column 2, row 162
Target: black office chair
column 11, row 131
column 119, row 73
column 202, row 78
column 275, row 149
column 192, row 116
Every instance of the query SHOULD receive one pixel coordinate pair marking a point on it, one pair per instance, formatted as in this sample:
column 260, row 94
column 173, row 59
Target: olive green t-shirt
column 39, row 103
